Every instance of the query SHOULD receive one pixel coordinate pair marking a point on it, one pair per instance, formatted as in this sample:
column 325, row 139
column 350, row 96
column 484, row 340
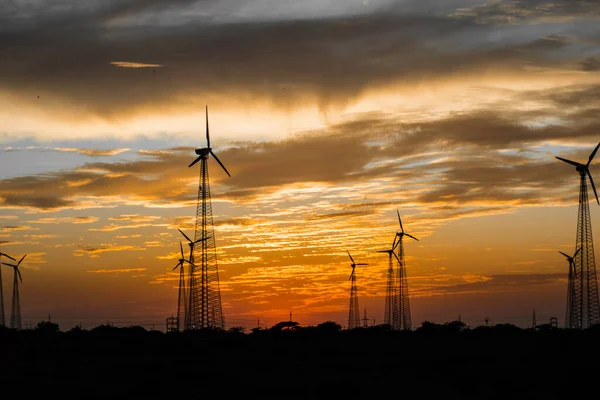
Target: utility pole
column 365, row 319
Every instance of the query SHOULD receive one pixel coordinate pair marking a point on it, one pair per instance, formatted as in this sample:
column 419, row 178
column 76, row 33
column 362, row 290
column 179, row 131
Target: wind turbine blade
column 565, row 254
column 362, row 264
column 399, row 220
column 189, row 240
column 191, row 263
column 181, row 248
column 570, row 162
column 10, row 265
column 207, row 135
column 399, row 262
column 195, row 161
column 350, row 256
column 411, row 236
column 220, row 163
column 578, row 250
column 19, row 273
column 593, row 154
column 203, row 239
column 384, row 251
column 178, row 264
column 7, row 256
column 21, row 260
column 593, row 186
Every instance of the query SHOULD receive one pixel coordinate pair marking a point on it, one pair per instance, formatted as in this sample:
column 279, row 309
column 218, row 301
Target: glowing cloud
column 127, row 64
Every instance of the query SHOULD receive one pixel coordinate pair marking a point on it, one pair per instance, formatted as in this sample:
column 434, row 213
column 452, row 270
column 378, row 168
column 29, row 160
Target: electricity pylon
column 204, row 309
column 402, row 319
column 354, row 313
column 585, row 305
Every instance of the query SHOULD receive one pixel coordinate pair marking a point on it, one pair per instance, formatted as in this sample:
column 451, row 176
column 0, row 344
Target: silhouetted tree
column 329, row 326
column 236, row 329
column 47, row 327
column 285, row 326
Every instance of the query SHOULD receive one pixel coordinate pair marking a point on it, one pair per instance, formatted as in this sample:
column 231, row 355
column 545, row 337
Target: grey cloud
column 519, row 11
column 327, row 60
column 590, row 64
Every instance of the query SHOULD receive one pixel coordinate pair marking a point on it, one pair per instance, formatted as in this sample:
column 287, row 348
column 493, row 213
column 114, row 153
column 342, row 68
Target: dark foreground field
column 435, row 361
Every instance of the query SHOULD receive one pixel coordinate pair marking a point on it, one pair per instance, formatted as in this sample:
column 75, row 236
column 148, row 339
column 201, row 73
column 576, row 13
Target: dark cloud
column 326, row 60
column 519, row 11
column 590, row 64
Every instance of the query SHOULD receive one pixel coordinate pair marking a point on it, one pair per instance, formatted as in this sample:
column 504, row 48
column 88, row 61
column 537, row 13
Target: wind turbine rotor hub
column 203, row 152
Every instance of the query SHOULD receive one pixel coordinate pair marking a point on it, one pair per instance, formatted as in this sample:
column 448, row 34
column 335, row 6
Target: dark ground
column 435, row 361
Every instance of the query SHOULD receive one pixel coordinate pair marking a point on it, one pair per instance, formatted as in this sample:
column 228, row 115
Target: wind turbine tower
column 204, row 301
column 354, row 314
column 182, row 303
column 402, row 320
column 570, row 288
column 15, row 316
column 2, row 319
column 390, row 290
column 585, row 306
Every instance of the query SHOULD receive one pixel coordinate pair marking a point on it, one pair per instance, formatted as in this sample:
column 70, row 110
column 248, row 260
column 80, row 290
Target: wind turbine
column 181, row 295
column 190, row 261
column 585, row 306
column 207, row 295
column 400, row 235
column 402, row 318
column 354, row 314
column 2, row 319
column 15, row 316
column 192, row 243
column 570, row 288
column 390, row 290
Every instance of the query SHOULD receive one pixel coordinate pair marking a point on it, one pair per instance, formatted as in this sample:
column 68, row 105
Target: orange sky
column 329, row 119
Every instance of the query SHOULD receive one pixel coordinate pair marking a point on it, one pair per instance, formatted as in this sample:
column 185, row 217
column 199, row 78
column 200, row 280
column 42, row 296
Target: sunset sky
column 330, row 115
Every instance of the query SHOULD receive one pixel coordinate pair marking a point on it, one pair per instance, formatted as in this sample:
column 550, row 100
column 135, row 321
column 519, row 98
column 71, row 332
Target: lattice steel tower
column 390, row 290
column 204, row 308
column 15, row 315
column 569, row 321
column 584, row 309
column 402, row 319
column 2, row 319
column 354, row 313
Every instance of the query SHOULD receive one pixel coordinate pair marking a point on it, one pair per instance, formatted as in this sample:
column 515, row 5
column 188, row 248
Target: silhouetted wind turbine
column 584, row 169
column 402, row 318
column 570, row 288
column 190, row 261
column 390, row 290
column 204, row 289
column 208, row 150
column 15, row 316
column 2, row 319
column 192, row 243
column 181, row 295
column 354, row 314
column 585, row 302
column 401, row 234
